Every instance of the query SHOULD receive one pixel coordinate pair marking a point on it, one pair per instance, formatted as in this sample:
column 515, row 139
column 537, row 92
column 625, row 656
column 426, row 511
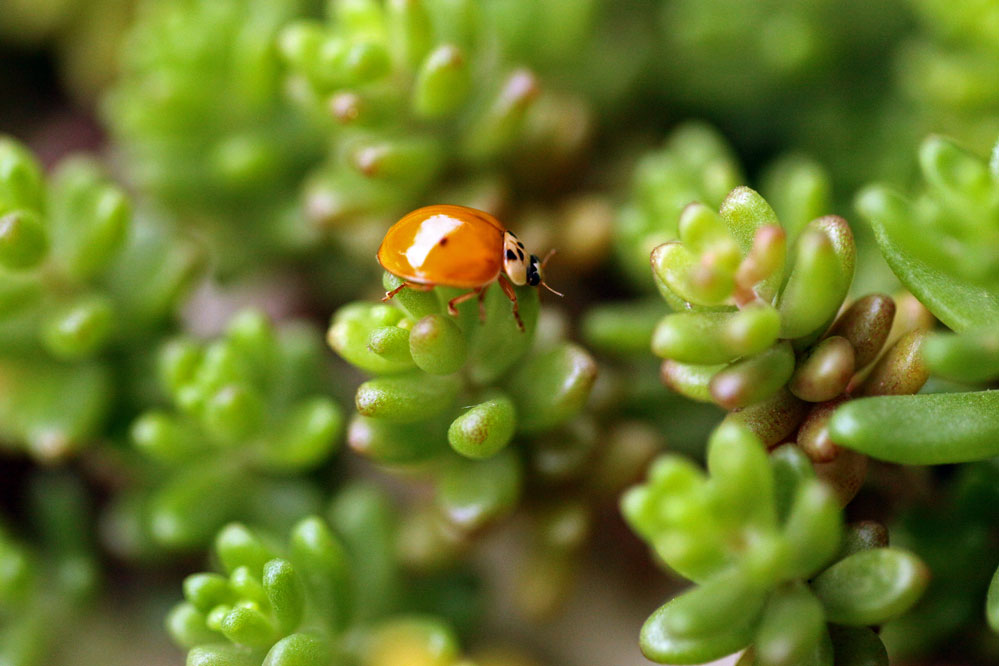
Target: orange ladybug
column 455, row 246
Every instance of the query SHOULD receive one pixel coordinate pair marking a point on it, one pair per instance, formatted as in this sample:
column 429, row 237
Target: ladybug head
column 522, row 268
column 534, row 271
column 515, row 263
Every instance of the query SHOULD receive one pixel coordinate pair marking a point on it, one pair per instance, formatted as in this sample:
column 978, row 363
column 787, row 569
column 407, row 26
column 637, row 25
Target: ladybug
column 456, row 246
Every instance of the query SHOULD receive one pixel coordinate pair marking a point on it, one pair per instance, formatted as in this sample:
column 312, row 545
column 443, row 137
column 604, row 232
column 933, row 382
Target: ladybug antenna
column 557, row 293
column 544, row 262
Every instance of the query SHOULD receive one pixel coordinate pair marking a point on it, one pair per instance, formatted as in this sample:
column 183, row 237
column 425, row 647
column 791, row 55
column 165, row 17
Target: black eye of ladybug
column 533, row 274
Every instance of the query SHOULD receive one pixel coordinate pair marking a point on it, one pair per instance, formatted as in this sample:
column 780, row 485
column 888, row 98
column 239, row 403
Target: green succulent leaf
column 972, row 356
column 871, row 587
column 552, row 386
column 437, row 345
column 992, row 603
column 726, row 600
column 858, row 646
column 662, row 646
column 921, row 429
column 473, row 493
column 299, row 650
column 707, row 338
column 406, row 398
column 484, row 429
column 957, row 303
column 791, row 628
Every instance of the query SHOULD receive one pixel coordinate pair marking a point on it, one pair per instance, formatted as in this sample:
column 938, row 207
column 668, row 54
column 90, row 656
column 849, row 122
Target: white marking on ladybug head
column 515, row 259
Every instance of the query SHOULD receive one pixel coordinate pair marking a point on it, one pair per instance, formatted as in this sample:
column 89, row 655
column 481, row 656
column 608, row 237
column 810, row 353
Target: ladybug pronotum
column 455, row 246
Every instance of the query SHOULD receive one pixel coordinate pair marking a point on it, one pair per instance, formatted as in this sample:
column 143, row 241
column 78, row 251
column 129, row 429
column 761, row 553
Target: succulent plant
column 202, row 127
column 331, row 594
column 757, row 327
column 450, row 396
column 249, row 418
column 774, row 570
column 951, row 264
column 411, row 92
column 45, row 587
column 695, row 164
column 81, row 281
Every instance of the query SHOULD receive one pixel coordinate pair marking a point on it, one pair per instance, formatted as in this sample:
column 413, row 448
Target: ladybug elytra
column 456, row 246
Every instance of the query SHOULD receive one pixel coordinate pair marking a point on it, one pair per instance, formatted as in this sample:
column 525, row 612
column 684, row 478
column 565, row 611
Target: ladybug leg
column 452, row 305
column 389, row 295
column 512, row 295
column 482, row 304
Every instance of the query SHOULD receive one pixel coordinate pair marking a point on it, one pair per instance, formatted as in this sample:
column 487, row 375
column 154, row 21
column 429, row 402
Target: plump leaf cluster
column 44, row 586
column 412, row 91
column 696, row 163
column 249, row 415
column 70, row 259
column 747, row 292
column 944, row 243
column 202, row 125
column 447, row 386
column 757, row 326
column 764, row 541
column 943, row 247
column 327, row 595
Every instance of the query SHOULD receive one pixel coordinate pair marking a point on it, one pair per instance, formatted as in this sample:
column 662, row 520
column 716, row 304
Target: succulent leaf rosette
column 412, row 92
column 202, row 128
column 249, row 417
column 774, row 569
column 696, row 163
column 330, row 594
column 759, row 325
column 450, row 395
column 81, row 280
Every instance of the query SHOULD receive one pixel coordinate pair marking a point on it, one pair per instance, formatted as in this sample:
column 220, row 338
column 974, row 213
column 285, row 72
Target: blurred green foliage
column 249, row 417
column 81, row 281
column 412, row 92
column 46, row 585
column 202, row 126
column 85, row 34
